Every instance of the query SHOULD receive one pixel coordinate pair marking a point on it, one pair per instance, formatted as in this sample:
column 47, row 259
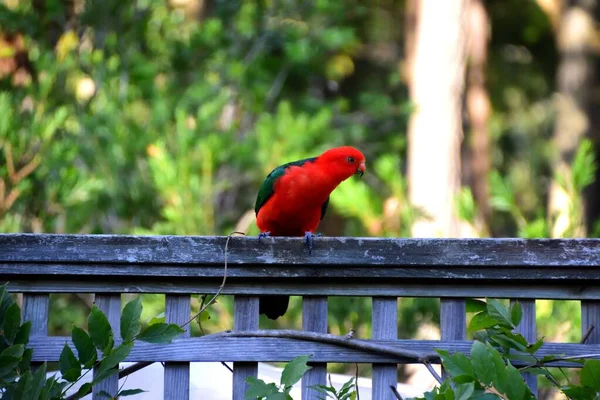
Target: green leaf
column 115, row 357
column 130, row 319
column 84, row 390
column 130, row 392
column 85, row 347
column 104, row 393
column 69, row 365
column 576, row 392
column 279, row 396
column 160, row 333
column 481, row 321
column 515, row 385
column 36, row 385
column 294, row 370
column 12, row 321
column 590, row 374
column 258, row 388
column 22, row 336
column 457, row 364
column 499, row 312
column 516, row 313
column 22, row 385
column 14, row 351
column 100, row 331
column 25, row 363
column 474, row 305
column 464, row 391
column 483, row 362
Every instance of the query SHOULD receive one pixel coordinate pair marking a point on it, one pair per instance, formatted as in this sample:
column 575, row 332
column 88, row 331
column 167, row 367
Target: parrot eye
column 351, row 160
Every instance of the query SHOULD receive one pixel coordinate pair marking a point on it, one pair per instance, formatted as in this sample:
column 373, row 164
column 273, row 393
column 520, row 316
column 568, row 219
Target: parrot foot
column 308, row 240
column 263, row 235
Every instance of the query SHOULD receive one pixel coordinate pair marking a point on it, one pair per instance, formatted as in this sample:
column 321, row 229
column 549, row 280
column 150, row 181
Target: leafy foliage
column 19, row 381
column 489, row 371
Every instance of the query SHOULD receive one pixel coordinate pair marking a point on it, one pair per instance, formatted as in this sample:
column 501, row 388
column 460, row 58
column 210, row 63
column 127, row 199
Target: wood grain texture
column 245, row 318
column 280, row 251
column 110, row 304
column 528, row 329
column 206, row 349
column 566, row 290
column 177, row 374
column 385, row 326
column 590, row 317
column 453, row 321
column 35, row 309
column 314, row 319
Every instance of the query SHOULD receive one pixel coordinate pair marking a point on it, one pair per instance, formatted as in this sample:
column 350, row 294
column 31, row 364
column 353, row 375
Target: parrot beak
column 361, row 169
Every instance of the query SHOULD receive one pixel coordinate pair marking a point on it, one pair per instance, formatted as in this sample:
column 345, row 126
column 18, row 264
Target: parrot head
column 344, row 161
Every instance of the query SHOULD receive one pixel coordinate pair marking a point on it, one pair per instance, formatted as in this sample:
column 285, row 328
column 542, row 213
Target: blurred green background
column 163, row 117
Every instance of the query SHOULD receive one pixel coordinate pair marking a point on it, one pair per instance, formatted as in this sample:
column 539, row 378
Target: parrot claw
column 263, row 235
column 308, row 240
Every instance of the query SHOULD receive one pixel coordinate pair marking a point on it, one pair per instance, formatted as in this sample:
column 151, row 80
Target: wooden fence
column 384, row 269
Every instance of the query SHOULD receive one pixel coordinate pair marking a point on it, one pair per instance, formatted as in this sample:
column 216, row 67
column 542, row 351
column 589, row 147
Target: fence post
column 245, row 318
column 385, row 326
column 314, row 318
column 453, row 321
column 177, row 374
column 35, row 309
column 110, row 304
column 527, row 328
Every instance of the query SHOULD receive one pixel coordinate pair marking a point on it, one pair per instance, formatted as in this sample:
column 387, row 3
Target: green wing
column 266, row 189
column 324, row 208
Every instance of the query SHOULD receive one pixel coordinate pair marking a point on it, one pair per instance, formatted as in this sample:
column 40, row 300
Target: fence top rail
column 335, row 251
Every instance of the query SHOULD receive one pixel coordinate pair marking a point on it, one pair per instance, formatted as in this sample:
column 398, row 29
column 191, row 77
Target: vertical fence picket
column 245, row 318
column 453, row 321
column 35, row 309
column 385, row 326
column 590, row 321
column 314, row 319
column 527, row 328
column 110, row 304
column 177, row 374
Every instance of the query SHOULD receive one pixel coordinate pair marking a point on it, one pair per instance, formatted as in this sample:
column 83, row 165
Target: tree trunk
column 577, row 105
column 435, row 128
column 478, row 109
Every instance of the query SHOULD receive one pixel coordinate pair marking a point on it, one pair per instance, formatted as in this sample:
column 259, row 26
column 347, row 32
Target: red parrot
column 293, row 200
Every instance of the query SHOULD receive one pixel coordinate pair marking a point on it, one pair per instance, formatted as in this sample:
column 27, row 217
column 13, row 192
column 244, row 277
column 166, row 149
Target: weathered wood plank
column 201, row 250
column 314, row 319
column 590, row 319
column 245, row 318
column 453, row 321
column 289, row 272
column 199, row 349
column 564, row 290
column 110, row 304
column 35, row 309
column 527, row 327
column 385, row 326
column 177, row 374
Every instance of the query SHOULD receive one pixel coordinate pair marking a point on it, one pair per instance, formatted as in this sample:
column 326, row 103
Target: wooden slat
column 177, row 374
column 294, row 272
column 245, row 316
column 449, row 288
column 281, row 251
column 590, row 317
column 314, row 319
column 527, row 327
column 280, row 350
column 35, row 309
column 453, row 321
column 110, row 304
column 385, row 326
